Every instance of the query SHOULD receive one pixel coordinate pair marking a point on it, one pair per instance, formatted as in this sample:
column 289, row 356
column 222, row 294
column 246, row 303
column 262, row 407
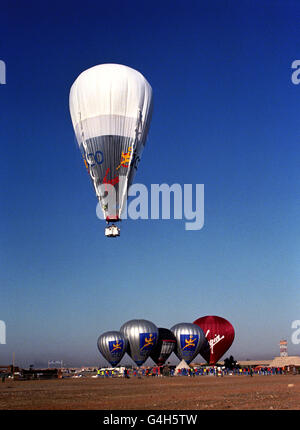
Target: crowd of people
column 221, row 371
column 159, row 371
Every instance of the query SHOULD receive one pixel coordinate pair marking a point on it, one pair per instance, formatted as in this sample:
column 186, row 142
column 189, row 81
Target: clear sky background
column 226, row 115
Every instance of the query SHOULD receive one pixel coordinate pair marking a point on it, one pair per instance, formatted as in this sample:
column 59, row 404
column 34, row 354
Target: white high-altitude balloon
column 111, row 107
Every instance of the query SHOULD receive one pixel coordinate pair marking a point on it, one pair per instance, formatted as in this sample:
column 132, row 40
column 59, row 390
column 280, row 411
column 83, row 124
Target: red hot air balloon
column 219, row 334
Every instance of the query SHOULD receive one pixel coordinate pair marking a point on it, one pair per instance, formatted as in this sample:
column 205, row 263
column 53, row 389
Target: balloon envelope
column 111, row 107
column 112, row 345
column 166, row 344
column 190, row 338
column 141, row 336
column 219, row 334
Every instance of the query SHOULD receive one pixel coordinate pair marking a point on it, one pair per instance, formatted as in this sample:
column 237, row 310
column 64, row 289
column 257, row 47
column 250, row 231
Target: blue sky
column 226, row 115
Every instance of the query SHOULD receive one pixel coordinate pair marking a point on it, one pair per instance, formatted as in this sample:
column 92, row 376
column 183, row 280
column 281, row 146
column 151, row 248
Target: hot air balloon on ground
column 219, row 334
column 190, row 338
column 111, row 107
column 112, row 345
column 166, row 344
column 141, row 336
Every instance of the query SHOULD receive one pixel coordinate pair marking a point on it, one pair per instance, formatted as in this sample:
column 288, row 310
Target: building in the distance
column 283, row 348
column 286, row 362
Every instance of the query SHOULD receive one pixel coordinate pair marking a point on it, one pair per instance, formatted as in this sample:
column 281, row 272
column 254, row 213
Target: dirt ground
column 176, row 393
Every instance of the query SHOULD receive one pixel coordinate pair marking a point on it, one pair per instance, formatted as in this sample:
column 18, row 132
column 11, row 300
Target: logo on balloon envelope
column 147, row 342
column 125, row 159
column 213, row 341
column 188, row 343
column 116, row 346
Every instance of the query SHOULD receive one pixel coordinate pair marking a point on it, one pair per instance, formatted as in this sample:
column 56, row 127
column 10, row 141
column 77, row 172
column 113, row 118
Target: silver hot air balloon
column 111, row 107
column 190, row 339
column 141, row 336
column 112, row 345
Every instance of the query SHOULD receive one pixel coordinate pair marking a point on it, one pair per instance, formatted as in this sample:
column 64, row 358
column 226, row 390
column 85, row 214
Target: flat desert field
column 173, row 393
